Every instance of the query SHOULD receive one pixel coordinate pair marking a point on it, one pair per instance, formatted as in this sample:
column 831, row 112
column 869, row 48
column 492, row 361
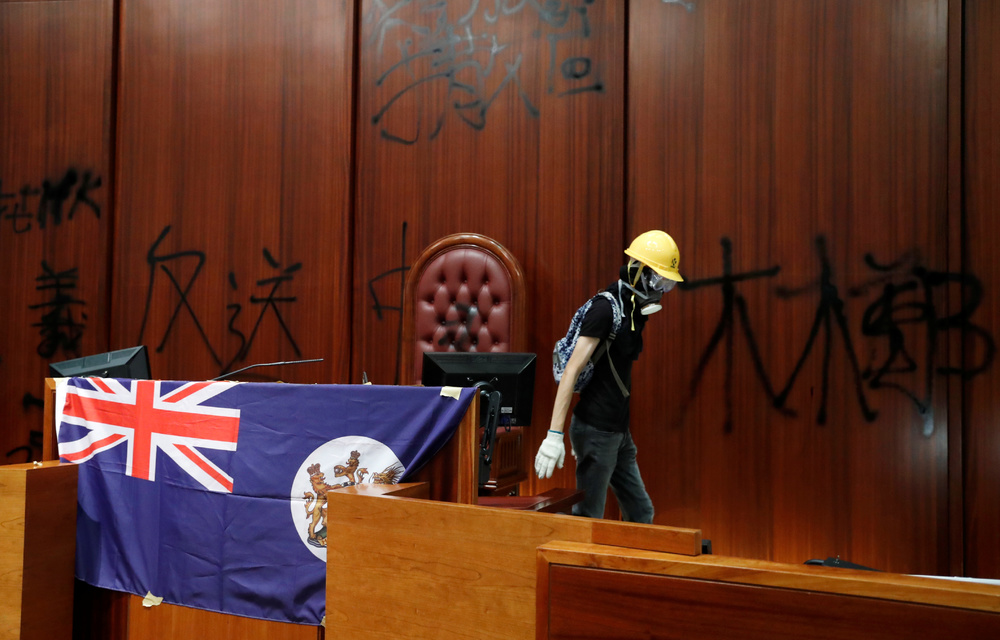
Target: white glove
column 550, row 455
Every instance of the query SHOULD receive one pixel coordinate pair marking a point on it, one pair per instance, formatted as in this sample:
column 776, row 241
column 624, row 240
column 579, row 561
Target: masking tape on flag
column 150, row 600
column 451, row 392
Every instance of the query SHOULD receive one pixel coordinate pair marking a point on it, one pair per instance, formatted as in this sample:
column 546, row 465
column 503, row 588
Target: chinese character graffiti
column 734, row 307
column 267, row 303
column 451, row 59
column 168, row 264
column 51, row 200
column 61, row 329
column 907, row 300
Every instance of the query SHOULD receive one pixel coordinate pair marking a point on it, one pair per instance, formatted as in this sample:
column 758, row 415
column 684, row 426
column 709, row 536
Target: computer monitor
column 512, row 374
column 131, row 363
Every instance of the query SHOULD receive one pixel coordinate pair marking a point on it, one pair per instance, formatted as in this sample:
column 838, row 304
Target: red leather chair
column 465, row 292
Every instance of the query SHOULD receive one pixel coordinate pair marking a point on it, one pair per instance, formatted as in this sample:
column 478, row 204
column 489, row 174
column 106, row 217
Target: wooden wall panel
column 770, row 137
column 797, row 151
column 582, row 590
column 232, row 244
column 501, row 119
column 55, row 185
column 982, row 188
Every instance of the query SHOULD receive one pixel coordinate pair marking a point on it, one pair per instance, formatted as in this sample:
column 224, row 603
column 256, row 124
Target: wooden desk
column 552, row 501
column 599, row 591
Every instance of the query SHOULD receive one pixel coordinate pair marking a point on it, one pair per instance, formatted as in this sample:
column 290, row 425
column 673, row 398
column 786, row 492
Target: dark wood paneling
column 747, row 128
column 588, row 603
column 507, row 141
column 55, row 101
column 234, row 169
column 981, row 410
column 787, row 137
column 166, row 621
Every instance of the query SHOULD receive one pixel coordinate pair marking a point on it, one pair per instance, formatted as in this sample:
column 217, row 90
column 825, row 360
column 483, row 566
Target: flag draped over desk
column 212, row 494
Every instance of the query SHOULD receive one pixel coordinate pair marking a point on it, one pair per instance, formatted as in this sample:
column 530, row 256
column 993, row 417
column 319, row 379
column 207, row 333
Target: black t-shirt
column 602, row 403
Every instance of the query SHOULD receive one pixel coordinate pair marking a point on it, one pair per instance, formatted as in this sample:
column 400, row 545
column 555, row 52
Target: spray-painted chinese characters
column 283, row 275
column 60, row 329
column 907, row 298
column 158, row 263
column 170, row 264
column 731, row 301
column 43, row 206
column 908, row 290
column 450, row 58
column 40, row 206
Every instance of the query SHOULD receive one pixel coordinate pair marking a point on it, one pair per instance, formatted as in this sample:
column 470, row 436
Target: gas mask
column 648, row 288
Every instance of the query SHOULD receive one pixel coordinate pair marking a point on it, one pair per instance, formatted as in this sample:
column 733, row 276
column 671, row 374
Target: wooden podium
column 37, row 550
column 432, row 569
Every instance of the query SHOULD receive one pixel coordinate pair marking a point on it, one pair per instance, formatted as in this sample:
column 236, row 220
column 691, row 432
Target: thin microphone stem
column 264, row 364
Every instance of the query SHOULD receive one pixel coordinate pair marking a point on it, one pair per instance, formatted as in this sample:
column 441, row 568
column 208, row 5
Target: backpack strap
column 618, row 379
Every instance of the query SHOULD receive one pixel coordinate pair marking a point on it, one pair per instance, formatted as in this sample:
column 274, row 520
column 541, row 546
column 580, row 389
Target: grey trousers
column 606, row 459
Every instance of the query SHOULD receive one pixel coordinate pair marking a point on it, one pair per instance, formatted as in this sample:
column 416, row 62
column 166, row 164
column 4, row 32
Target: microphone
column 264, row 364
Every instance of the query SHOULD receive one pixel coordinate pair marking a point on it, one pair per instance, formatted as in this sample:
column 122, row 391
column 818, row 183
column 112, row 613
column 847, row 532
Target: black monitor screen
column 130, row 363
column 512, row 374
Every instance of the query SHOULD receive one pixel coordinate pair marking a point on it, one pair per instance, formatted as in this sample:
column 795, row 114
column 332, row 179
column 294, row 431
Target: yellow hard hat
column 658, row 251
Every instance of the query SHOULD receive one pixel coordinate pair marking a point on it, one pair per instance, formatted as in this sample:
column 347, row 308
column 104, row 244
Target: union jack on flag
column 146, row 420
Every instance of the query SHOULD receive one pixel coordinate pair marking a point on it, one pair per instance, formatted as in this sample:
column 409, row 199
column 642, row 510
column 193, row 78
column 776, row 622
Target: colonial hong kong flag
column 212, row 494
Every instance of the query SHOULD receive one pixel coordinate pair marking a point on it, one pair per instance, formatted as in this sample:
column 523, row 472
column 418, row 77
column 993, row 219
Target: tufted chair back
column 465, row 292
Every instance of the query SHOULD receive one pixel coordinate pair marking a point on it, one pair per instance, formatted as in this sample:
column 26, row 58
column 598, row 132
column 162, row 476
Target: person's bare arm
column 584, row 349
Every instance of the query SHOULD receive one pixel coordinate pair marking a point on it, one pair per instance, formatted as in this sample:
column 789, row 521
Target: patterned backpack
column 564, row 346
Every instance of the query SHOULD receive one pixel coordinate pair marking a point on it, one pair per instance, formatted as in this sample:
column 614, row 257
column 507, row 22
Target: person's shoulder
column 598, row 319
column 601, row 304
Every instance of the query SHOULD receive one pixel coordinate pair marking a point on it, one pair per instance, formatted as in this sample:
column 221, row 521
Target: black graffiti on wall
column 399, row 272
column 452, row 60
column 169, row 265
column 267, row 303
column 734, row 309
column 48, row 203
column 907, row 298
column 62, row 321
column 830, row 318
